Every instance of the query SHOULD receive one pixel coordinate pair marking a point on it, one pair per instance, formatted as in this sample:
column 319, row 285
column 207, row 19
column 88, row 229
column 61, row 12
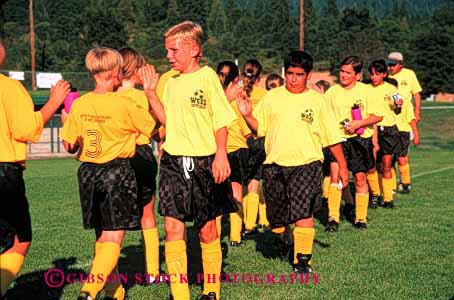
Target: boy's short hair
column 132, row 60
column 100, row 60
column 187, row 30
column 273, row 81
column 323, row 84
column 355, row 62
column 299, row 59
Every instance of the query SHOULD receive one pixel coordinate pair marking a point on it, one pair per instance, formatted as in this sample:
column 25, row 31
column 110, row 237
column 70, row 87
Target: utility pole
column 32, row 45
column 302, row 25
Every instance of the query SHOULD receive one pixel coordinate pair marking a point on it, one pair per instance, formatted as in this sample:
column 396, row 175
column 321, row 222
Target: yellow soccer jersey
column 296, row 126
column 342, row 100
column 384, row 92
column 19, row 123
column 163, row 80
column 257, row 95
column 196, row 107
column 106, row 127
column 139, row 98
column 238, row 131
column 405, row 117
column 408, row 84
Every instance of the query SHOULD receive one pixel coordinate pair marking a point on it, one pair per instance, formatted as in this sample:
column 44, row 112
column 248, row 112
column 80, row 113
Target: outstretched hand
column 148, row 77
column 59, row 91
column 244, row 105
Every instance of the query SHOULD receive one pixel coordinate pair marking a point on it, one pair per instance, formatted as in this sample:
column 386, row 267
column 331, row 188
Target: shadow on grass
column 33, row 285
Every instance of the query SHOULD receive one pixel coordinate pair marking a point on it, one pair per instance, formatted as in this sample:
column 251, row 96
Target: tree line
column 422, row 30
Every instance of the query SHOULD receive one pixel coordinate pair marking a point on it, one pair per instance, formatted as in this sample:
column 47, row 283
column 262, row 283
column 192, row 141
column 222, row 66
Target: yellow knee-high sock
column 394, row 178
column 151, row 243
column 387, row 189
column 334, row 199
column 104, row 262
column 10, row 265
column 177, row 263
column 212, row 262
column 278, row 230
column 252, row 211
column 236, row 223
column 219, row 225
column 405, row 173
column 303, row 238
column 262, row 213
column 374, row 186
column 245, row 208
column 325, row 186
column 361, row 203
column 114, row 287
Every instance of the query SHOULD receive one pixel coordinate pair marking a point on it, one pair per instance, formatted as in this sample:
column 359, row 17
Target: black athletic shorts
column 145, row 168
column 108, row 196
column 14, row 209
column 358, row 153
column 187, row 190
column 404, row 143
column 388, row 140
column 257, row 156
column 326, row 161
column 291, row 193
column 239, row 166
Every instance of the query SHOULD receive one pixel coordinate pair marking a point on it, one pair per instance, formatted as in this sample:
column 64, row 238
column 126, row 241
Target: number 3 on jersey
column 94, row 148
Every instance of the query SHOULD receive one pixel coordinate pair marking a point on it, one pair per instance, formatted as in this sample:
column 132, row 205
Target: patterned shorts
column 14, row 208
column 108, row 196
column 257, row 156
column 404, row 144
column 187, row 190
column 291, row 193
column 388, row 139
column 238, row 161
column 145, row 168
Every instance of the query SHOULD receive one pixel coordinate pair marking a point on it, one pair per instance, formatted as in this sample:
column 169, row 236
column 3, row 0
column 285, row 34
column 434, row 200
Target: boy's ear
column 196, row 50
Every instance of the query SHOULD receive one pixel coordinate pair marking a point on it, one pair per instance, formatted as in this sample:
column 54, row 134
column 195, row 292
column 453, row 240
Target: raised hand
column 59, row 91
column 148, row 77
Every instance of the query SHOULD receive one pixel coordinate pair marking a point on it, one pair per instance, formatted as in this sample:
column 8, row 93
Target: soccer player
column 408, row 86
column 388, row 134
column 102, row 127
column 19, row 124
column 143, row 162
column 273, row 81
column 292, row 170
column 194, row 167
column 357, row 146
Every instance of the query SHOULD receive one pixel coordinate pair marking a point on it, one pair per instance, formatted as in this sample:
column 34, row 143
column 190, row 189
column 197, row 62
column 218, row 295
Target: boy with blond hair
column 102, row 127
column 194, row 166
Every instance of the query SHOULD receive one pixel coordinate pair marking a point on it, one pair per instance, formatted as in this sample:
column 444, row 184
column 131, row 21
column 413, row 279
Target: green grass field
column 407, row 253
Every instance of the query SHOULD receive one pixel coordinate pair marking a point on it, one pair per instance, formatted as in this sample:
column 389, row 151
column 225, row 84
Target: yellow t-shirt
column 139, row 98
column 296, row 126
column 238, row 131
column 405, row 117
column 408, row 84
column 196, row 107
column 384, row 92
column 163, row 80
column 106, row 126
column 257, row 95
column 342, row 100
column 19, row 123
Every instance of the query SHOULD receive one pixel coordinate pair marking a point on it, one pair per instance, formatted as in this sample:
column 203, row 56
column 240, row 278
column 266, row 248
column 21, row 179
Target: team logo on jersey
column 198, row 99
column 308, row 116
column 360, row 103
column 403, row 83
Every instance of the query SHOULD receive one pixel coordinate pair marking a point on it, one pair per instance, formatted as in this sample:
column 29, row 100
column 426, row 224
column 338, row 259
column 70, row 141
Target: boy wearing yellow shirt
column 194, row 166
column 357, row 147
column 102, row 127
column 19, row 124
column 293, row 167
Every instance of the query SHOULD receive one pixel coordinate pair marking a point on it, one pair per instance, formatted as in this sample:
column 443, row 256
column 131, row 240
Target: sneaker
column 210, row 296
column 84, row 296
column 235, row 244
column 332, row 226
column 373, row 203
column 349, row 212
column 404, row 188
column 381, row 201
column 361, row 225
column 388, row 205
column 303, row 266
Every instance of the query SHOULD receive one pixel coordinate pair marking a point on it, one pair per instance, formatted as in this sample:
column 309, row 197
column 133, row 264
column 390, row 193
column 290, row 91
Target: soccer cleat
column 84, row 296
column 332, row 226
column 349, row 212
column 373, row 203
column 303, row 266
column 404, row 188
column 388, row 205
column 235, row 244
column 210, row 296
column 381, row 201
column 361, row 225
